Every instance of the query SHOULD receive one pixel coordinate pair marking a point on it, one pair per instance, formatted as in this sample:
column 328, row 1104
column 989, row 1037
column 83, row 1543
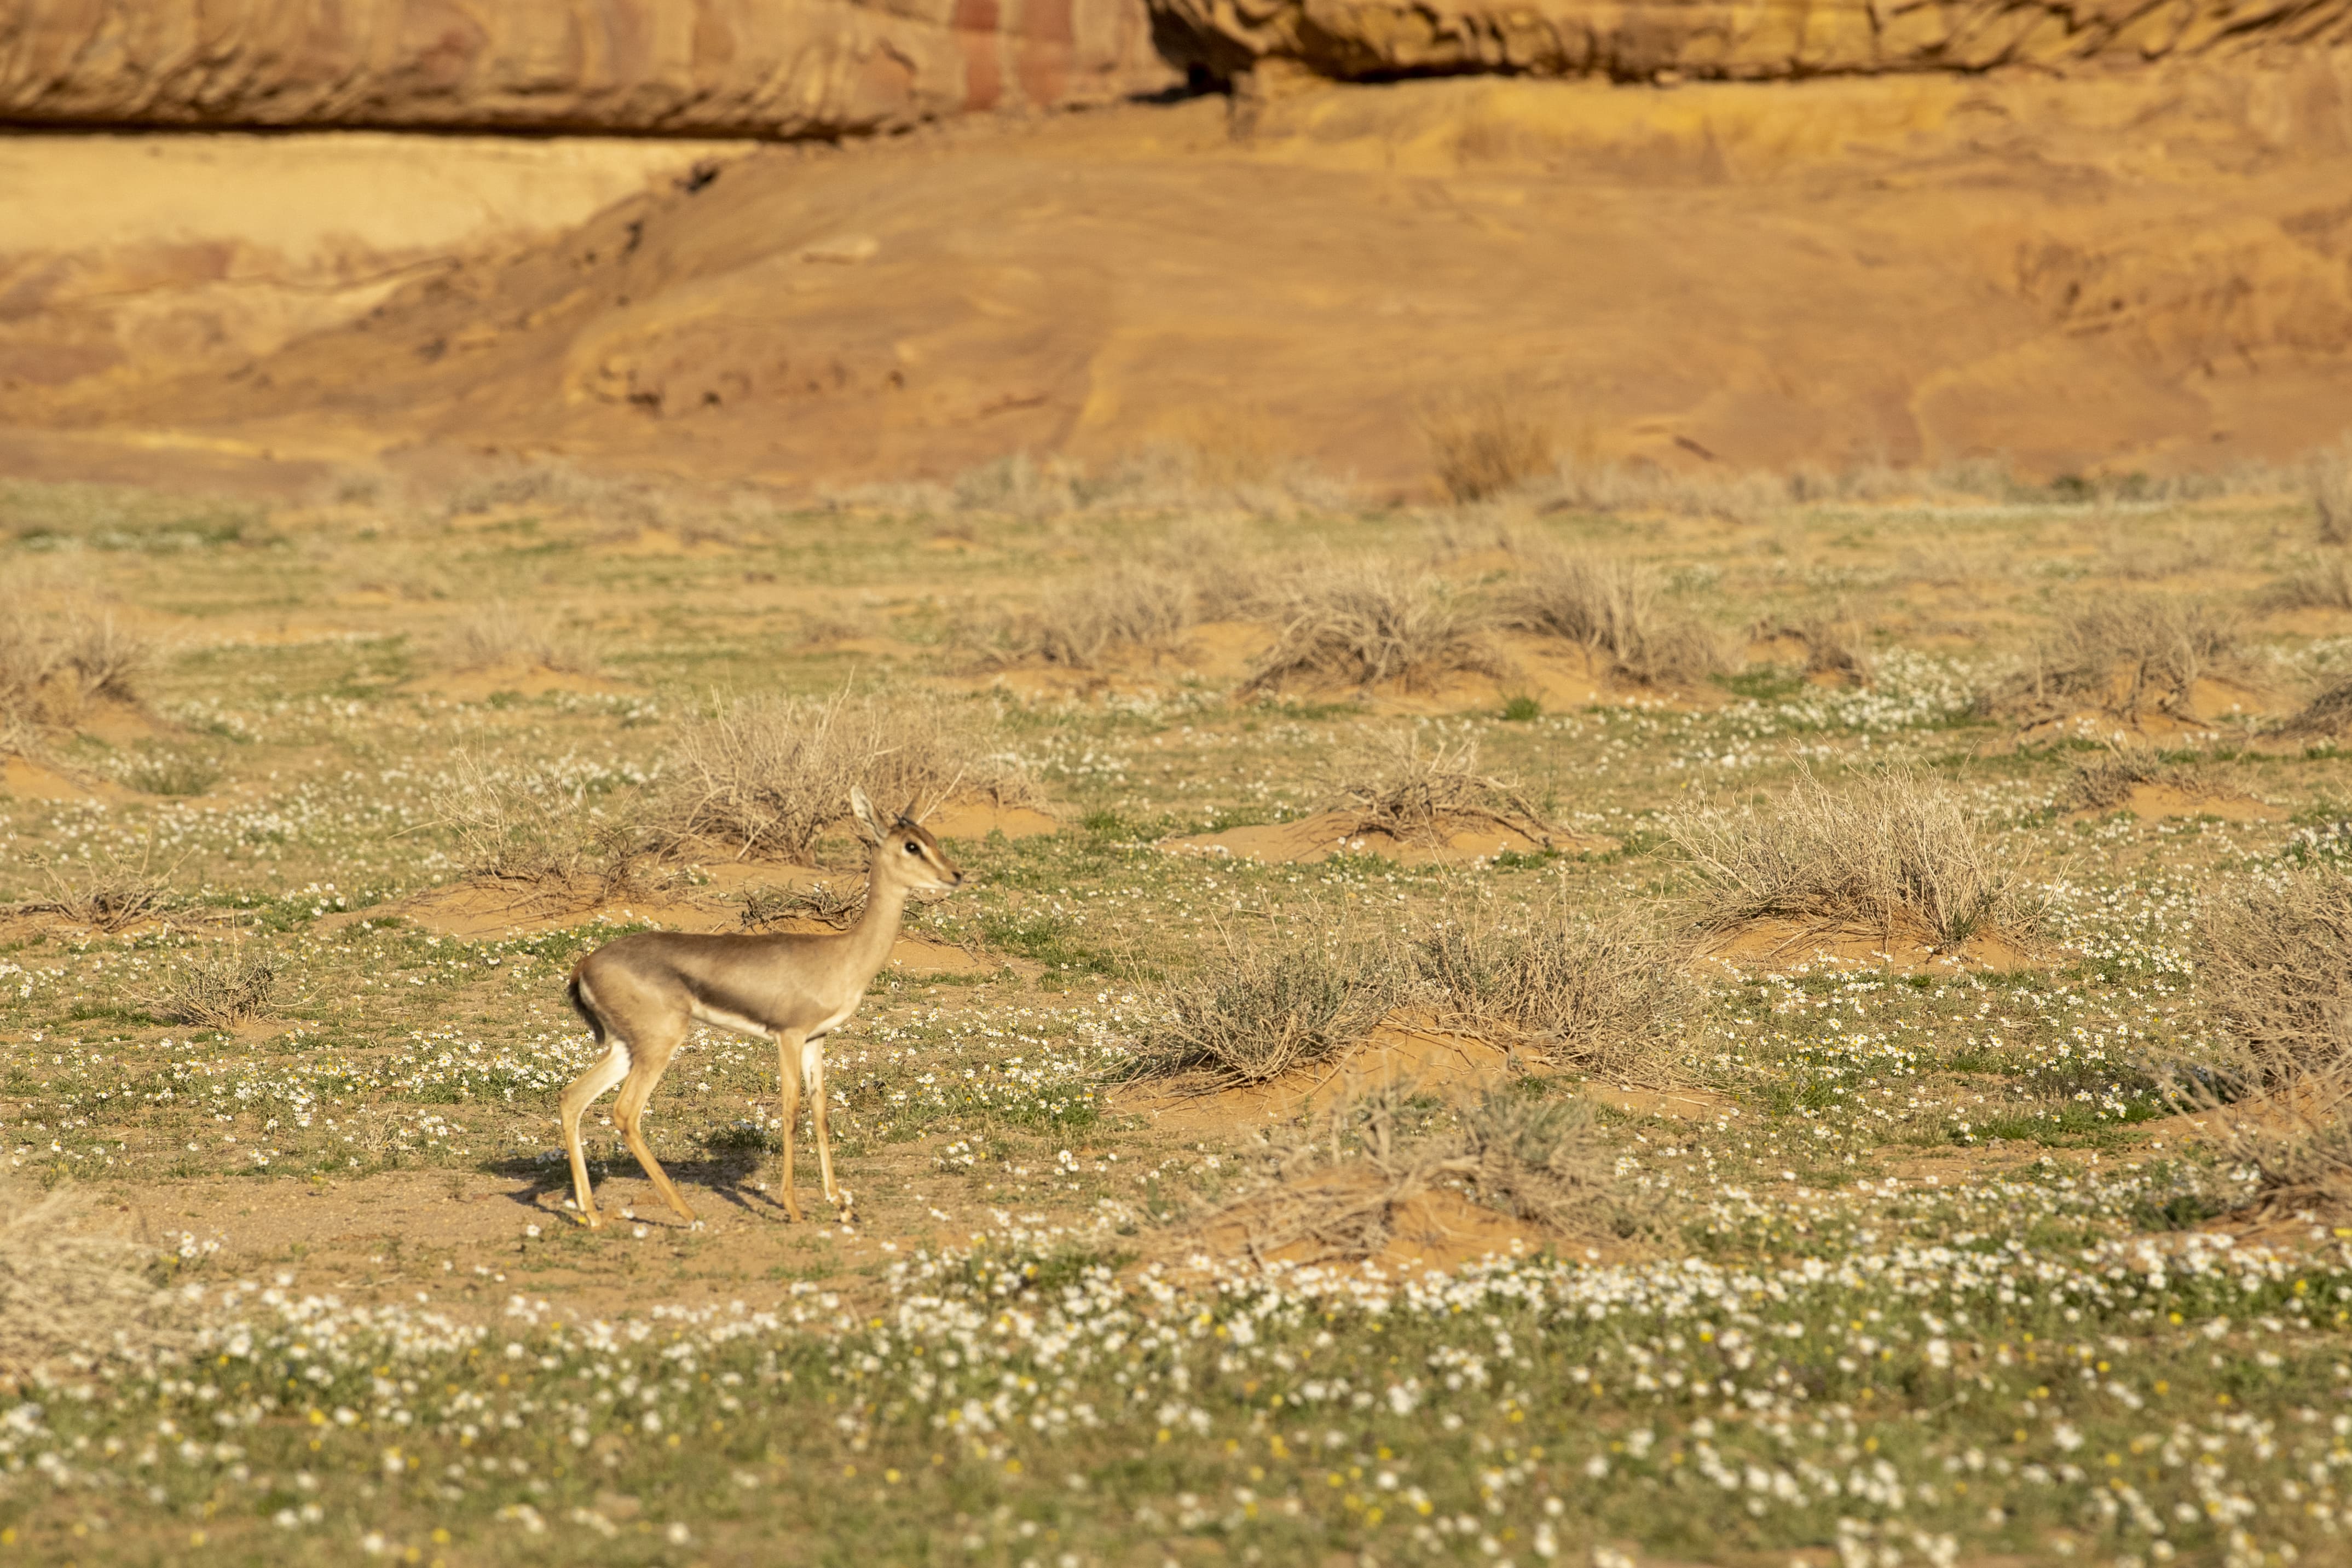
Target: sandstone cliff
column 1640, row 40
column 702, row 67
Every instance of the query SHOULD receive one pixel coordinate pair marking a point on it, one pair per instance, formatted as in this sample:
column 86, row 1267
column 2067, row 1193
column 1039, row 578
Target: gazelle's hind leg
column 788, row 1093
column 610, row 1069
column 628, row 1114
column 813, row 1069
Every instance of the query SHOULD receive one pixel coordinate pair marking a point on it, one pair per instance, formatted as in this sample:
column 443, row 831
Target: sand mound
column 1326, row 834
column 979, row 818
column 1669, row 273
column 1908, row 949
column 1401, row 1050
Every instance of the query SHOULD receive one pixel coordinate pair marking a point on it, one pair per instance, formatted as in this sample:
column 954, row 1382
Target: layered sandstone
column 693, row 68
column 1642, row 40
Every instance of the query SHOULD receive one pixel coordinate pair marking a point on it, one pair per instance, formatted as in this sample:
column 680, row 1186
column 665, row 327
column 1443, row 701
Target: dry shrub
column 2105, row 783
column 107, row 893
column 1485, row 443
column 2331, row 494
column 1644, row 487
column 1610, row 999
column 68, row 1290
column 499, row 636
column 1395, row 784
column 560, row 486
column 1363, row 624
column 771, row 775
column 541, row 834
column 2122, row 656
column 1137, row 606
column 1544, row 1159
column 2328, row 713
column 821, row 901
column 1891, row 847
column 1334, row 1190
column 53, row 666
column 217, row 990
column 2323, row 582
column 1837, row 646
column 1263, row 1010
column 1620, row 609
column 2275, row 968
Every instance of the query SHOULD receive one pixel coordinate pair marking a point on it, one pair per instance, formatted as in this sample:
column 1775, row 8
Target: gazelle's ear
column 863, row 809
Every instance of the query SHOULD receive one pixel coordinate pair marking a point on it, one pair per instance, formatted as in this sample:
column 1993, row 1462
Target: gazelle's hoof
column 591, row 1217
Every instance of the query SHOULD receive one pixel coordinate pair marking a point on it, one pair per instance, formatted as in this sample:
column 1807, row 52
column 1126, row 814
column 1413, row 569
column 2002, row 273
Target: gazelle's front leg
column 788, row 1047
column 610, row 1069
column 813, row 1069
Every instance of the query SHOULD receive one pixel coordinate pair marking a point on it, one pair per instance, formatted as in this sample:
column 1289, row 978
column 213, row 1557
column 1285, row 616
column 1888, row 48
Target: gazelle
column 640, row 993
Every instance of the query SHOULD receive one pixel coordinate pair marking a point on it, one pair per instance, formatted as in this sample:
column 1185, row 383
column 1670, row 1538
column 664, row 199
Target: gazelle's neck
column 877, row 925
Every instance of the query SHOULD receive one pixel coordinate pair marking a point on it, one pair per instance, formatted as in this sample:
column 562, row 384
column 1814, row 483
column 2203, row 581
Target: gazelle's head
column 904, row 850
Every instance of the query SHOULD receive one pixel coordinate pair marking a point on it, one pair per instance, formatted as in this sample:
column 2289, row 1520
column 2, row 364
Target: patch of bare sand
column 1672, row 1104
column 26, row 779
column 977, row 819
column 1399, row 1050
column 661, row 542
column 2156, row 802
column 1437, row 1228
column 1329, row 834
column 117, row 722
column 526, row 680
column 1906, row 947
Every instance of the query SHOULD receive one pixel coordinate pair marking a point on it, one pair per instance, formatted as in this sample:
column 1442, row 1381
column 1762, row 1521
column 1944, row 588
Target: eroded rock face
column 1639, row 40
column 767, row 67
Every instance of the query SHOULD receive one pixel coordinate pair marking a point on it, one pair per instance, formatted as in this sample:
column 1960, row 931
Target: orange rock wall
column 1636, row 40
column 700, row 67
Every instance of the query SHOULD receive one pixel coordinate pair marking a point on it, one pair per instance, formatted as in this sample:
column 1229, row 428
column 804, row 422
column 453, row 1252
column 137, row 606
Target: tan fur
column 641, row 994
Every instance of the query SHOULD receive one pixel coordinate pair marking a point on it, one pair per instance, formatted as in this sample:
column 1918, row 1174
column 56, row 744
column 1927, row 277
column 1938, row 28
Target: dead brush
column 1262, row 1011
column 772, row 775
column 2126, row 657
column 1362, row 625
column 2330, row 487
column 1141, row 607
column 1836, row 646
column 541, row 836
column 1487, row 443
column 820, row 901
column 2105, row 783
column 2274, row 969
column 107, row 892
column 70, row 1291
column 217, row 990
column 54, row 666
column 499, row 636
column 2321, row 582
column 1621, row 611
column 1892, row 847
column 1335, row 1191
column 1609, row 1000
column 1415, row 792
column 2327, row 715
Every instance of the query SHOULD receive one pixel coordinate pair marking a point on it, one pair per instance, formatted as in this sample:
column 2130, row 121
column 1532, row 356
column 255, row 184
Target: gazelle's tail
column 579, row 999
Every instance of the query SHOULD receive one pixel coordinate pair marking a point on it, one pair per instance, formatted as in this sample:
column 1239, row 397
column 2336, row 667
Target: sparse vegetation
column 1608, row 1001
column 2124, row 656
column 2322, row 582
column 70, row 1292
column 769, row 775
column 1619, row 608
column 1365, row 625
column 503, row 637
column 2331, row 494
column 54, row 665
column 1417, row 790
column 2274, row 964
column 543, row 835
column 1262, row 1010
column 1888, row 847
column 1142, row 607
column 1487, row 443
column 2328, row 714
column 218, row 988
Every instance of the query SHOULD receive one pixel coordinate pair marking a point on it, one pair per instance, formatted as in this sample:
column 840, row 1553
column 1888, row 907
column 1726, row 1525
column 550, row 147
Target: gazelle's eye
column 912, row 848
